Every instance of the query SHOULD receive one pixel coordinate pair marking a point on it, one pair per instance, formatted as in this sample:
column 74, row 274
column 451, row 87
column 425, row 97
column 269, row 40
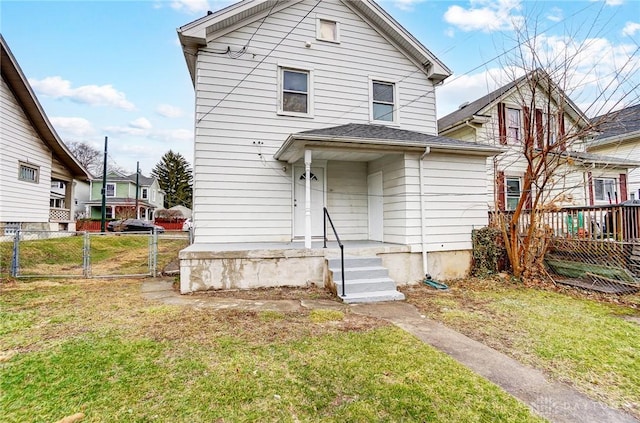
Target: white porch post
column 307, row 198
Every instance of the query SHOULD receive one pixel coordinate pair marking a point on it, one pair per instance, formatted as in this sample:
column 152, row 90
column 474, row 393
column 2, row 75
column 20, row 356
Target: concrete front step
column 372, row 297
column 366, row 280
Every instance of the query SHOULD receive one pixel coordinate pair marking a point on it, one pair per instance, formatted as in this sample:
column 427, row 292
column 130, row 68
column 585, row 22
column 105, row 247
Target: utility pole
column 103, row 218
column 137, row 188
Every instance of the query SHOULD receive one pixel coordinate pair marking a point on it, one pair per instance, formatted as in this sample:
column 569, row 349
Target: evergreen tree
column 175, row 178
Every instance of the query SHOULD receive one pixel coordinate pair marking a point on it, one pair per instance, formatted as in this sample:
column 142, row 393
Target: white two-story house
column 534, row 106
column 303, row 105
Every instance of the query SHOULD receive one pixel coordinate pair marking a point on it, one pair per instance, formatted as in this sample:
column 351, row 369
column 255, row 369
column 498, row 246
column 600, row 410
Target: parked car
column 187, row 225
column 133, row 225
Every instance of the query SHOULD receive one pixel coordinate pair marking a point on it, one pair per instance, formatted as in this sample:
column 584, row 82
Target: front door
column 317, row 201
column 376, row 221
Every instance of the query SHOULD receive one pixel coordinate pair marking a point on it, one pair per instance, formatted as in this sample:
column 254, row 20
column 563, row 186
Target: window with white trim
column 383, row 101
column 513, row 189
column 145, row 193
column 28, row 172
column 295, row 92
column 604, row 189
column 514, row 124
column 111, row 190
column 327, row 30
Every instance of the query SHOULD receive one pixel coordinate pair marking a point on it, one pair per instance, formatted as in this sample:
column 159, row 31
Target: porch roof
column 120, row 201
column 367, row 142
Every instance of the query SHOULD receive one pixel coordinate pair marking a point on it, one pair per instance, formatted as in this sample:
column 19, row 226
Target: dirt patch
column 277, row 293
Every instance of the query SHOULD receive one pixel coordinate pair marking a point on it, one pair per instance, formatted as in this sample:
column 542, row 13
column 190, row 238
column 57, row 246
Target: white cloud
column 485, row 15
column 94, row 95
column 142, row 128
column 630, row 28
column 613, row 2
column 406, row 5
column 141, row 123
column 169, row 111
column 72, row 127
column 555, row 14
column 191, row 6
column 450, row 32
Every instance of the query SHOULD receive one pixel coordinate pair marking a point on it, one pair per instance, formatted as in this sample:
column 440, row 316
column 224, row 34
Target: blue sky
column 115, row 68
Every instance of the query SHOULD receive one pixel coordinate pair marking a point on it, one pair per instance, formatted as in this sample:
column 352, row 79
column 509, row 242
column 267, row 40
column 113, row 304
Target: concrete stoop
column 366, row 280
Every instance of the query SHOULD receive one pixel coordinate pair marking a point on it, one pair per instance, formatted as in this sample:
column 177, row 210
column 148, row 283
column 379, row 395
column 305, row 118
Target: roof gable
column 482, row 105
column 17, row 82
column 197, row 33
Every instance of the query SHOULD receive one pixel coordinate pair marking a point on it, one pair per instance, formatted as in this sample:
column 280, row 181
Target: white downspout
column 423, row 235
column 307, row 199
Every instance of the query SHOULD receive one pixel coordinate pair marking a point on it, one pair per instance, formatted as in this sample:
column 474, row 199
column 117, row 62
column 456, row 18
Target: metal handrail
column 326, row 216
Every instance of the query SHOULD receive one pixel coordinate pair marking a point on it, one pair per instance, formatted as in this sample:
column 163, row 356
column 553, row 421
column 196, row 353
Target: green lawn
column 97, row 347
column 576, row 338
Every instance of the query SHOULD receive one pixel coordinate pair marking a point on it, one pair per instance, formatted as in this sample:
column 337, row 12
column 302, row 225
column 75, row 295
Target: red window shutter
column 502, row 124
column 539, row 129
column 526, row 126
column 590, row 182
column 563, row 144
column 500, row 186
column 623, row 187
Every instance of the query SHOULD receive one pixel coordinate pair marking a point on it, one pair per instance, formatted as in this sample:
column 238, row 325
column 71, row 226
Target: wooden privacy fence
column 94, row 225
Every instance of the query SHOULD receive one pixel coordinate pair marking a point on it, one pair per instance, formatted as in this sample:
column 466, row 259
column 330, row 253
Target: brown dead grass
column 276, row 293
column 67, row 308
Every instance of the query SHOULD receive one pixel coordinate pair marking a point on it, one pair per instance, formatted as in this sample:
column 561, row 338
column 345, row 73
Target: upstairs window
column 111, row 190
column 327, row 30
column 295, row 94
column 383, row 106
column 514, row 125
column 145, row 193
column 29, row 173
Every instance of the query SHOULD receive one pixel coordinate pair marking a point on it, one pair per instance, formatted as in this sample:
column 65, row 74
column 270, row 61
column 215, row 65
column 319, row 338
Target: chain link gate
column 38, row 254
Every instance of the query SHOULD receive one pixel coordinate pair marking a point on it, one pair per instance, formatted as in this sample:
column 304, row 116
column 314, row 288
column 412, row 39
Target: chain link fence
column 37, row 254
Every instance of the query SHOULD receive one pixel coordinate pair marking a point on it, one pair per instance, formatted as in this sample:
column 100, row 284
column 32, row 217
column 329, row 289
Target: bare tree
column 551, row 139
column 91, row 158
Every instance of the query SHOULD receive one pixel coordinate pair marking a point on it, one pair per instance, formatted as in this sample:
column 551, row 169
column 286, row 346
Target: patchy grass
column 574, row 338
column 97, row 347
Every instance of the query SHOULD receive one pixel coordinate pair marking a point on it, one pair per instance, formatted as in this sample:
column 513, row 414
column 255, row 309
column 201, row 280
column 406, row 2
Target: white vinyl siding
column 240, row 193
column 455, row 202
column 19, row 143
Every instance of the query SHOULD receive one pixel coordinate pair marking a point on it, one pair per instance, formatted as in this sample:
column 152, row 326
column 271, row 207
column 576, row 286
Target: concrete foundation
column 261, row 265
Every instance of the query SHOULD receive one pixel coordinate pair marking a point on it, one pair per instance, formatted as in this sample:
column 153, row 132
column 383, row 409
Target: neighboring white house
column 37, row 171
column 504, row 117
column 305, row 104
column 619, row 136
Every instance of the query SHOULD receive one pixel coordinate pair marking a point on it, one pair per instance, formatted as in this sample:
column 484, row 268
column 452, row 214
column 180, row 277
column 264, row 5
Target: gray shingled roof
column 617, row 123
column 142, row 180
column 475, row 106
column 381, row 132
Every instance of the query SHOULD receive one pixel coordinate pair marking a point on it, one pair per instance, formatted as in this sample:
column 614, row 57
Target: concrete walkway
column 554, row 401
